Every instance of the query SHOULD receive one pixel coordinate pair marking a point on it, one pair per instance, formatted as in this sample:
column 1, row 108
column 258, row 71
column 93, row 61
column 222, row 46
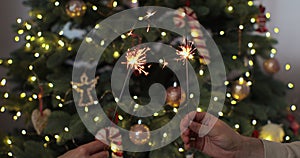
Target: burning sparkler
column 136, row 59
column 186, row 52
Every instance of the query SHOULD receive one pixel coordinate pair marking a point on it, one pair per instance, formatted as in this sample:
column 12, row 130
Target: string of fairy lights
column 61, row 43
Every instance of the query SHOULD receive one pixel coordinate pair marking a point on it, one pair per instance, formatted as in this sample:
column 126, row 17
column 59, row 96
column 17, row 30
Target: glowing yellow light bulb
column 241, row 27
column 254, row 122
column 230, row 8
column 221, row 113
column 222, row 33
column 15, row 118
column 287, row 67
column 94, row 8
column 66, row 129
column 96, row 119
column 28, row 26
column 30, row 67
column 18, row 114
column 39, row 34
column 19, row 20
column 3, row 82
column 181, row 150
column 201, row 72
column 23, row 132
column 20, row 32
column 252, row 20
column 268, row 15
column 233, row 102
column 47, row 138
column 28, row 45
column 10, row 154
column 115, row 4
column 163, row 34
column 199, row 110
column 116, row 54
column 273, row 51
column 5, row 95
column 237, row 126
column 8, row 141
column 61, row 43
column 268, row 34
column 2, row 109
column 17, row 38
column 32, row 78
column 69, row 48
column 123, row 36
column 276, row 30
column 291, row 85
column 50, row 85
column 56, row 3
column 293, row 107
column 39, row 16
column 250, row 63
column 61, row 32
column 252, row 51
column 234, row 57
column 250, row 3
column 120, row 117
column 9, row 61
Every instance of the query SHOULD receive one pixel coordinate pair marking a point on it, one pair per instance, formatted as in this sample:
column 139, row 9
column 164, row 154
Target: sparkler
column 185, row 53
column 135, row 60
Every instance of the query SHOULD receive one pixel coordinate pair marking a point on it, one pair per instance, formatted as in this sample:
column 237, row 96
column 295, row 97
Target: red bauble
column 175, row 96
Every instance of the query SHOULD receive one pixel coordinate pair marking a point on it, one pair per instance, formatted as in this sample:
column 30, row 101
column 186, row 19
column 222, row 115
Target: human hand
column 215, row 138
column 95, row 149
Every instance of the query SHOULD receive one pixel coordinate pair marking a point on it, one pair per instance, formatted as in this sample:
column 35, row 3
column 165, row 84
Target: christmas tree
column 58, row 86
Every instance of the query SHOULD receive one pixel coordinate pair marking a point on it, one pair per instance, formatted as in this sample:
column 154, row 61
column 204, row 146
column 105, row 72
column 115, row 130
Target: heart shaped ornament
column 39, row 120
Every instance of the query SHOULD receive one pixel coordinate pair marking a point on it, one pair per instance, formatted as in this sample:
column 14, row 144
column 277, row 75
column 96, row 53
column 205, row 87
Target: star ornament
column 185, row 52
column 136, row 59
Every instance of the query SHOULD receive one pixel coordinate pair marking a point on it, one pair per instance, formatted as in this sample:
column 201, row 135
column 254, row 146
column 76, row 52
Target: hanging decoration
column 261, row 20
column 271, row 66
column 139, row 134
column 240, row 89
column 75, row 8
column 272, row 132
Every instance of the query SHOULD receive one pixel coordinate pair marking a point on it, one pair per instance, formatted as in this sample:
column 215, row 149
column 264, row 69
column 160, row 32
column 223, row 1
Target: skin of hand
column 218, row 140
column 95, row 149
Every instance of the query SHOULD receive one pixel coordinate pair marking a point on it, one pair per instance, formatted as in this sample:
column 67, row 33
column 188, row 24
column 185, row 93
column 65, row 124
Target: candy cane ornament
column 112, row 136
column 196, row 31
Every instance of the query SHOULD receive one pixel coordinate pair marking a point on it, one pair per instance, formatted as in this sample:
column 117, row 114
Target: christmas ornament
column 271, row 65
column 175, row 96
column 139, row 134
column 40, row 119
column 261, row 20
column 196, row 32
column 272, row 132
column 112, row 136
column 294, row 125
column 84, row 88
column 240, row 89
column 75, row 8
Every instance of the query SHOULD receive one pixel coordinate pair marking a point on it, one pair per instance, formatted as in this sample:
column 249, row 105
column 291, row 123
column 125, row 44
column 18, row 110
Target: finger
column 102, row 154
column 185, row 139
column 195, row 127
column 94, row 147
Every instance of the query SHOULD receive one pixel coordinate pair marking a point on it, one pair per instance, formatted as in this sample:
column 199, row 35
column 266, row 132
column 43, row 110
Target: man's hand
column 217, row 140
column 95, row 149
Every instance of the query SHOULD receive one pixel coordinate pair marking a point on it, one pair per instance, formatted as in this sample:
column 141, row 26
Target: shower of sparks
column 136, row 59
column 149, row 13
column 186, row 52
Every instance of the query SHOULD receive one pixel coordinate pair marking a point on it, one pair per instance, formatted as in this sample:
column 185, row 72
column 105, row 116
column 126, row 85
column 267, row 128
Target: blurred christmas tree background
column 38, row 85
